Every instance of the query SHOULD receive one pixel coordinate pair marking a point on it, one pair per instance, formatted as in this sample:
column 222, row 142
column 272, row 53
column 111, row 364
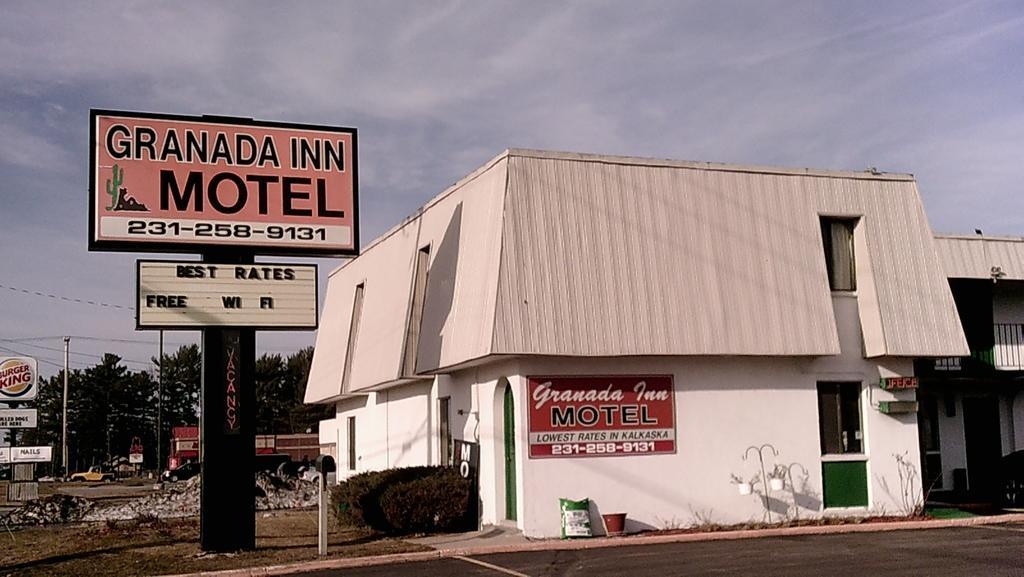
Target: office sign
column 194, row 295
column 601, row 416
column 19, row 377
column 19, row 418
column 188, row 184
column 31, row 454
column 898, row 383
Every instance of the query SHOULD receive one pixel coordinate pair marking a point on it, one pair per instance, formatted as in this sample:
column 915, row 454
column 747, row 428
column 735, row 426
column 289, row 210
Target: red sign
column 601, row 416
column 185, row 183
column 231, row 410
column 898, row 383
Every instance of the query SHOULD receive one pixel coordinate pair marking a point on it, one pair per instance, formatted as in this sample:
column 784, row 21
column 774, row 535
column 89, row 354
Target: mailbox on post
column 324, row 464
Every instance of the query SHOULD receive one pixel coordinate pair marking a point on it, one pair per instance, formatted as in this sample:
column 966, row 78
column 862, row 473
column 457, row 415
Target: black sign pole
column 227, row 432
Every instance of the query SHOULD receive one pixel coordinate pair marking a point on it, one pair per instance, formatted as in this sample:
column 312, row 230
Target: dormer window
column 837, row 237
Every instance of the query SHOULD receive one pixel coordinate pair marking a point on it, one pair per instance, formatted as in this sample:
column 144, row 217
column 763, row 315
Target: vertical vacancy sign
column 229, row 189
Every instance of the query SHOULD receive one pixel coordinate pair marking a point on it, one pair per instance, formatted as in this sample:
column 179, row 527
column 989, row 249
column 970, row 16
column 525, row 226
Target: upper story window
column 412, row 329
column 837, row 237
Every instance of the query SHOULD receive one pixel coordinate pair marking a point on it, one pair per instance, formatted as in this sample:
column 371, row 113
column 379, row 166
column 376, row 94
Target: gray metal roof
column 974, row 256
column 584, row 255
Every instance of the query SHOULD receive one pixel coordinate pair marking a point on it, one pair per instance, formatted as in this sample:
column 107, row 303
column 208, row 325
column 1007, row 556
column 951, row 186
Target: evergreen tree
column 181, row 374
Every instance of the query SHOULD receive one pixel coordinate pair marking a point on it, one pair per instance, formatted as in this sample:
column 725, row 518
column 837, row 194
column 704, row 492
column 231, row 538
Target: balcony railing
column 1008, row 352
column 1006, row 355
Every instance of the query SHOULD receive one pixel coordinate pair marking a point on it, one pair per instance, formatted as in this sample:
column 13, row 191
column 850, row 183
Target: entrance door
column 510, row 455
column 983, row 439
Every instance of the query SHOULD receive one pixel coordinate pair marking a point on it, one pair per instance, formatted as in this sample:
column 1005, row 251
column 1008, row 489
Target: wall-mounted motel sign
column 187, row 184
column 193, row 295
column 18, row 379
column 601, row 416
column 897, row 383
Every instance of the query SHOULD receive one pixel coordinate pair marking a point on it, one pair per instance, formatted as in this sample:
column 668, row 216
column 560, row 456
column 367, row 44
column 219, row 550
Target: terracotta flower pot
column 614, row 523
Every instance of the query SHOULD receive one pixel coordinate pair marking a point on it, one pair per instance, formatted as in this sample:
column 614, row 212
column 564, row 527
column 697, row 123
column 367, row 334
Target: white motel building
column 646, row 333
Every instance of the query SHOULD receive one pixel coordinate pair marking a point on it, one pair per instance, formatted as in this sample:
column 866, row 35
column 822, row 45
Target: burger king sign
column 18, row 376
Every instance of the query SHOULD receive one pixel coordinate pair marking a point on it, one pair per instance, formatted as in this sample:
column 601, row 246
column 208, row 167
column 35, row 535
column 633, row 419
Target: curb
column 605, row 542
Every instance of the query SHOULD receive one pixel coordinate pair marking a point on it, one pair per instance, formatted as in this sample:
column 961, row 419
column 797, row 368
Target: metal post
column 160, row 408
column 322, row 533
column 64, row 426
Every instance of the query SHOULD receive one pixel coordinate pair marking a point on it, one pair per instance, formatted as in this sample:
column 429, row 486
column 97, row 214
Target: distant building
column 624, row 329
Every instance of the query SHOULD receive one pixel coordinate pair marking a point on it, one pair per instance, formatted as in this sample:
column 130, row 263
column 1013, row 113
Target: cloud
column 437, row 88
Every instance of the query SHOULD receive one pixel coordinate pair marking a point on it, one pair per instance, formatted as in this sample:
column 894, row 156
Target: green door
column 510, row 455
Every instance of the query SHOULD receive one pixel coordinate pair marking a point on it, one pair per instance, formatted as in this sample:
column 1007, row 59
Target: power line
column 40, row 359
column 87, row 354
column 64, row 298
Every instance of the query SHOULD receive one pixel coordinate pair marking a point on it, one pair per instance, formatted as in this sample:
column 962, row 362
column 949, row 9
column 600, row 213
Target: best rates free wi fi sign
column 188, row 184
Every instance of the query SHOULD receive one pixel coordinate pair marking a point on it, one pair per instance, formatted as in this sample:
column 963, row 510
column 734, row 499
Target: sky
column 437, row 88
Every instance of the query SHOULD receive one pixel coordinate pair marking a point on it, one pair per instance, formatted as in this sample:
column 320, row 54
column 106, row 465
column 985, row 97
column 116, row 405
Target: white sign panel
column 18, row 418
column 5, row 455
column 31, row 454
column 19, row 378
column 135, row 458
column 191, row 295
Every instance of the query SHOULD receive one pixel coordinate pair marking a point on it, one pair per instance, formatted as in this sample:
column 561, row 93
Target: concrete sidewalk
column 505, row 540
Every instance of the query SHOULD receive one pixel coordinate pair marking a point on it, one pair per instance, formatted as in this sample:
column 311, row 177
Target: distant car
column 181, row 473
column 93, row 475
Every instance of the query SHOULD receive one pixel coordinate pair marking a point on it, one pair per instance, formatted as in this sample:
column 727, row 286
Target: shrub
column 356, row 500
column 408, row 499
column 436, row 503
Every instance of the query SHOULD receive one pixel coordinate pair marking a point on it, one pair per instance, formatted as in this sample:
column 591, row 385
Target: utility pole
column 64, row 426
column 160, row 408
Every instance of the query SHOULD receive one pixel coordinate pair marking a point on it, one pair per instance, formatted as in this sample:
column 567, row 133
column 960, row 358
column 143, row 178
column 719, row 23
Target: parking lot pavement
column 982, row 550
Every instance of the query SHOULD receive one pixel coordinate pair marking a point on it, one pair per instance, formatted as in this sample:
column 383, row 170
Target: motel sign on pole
column 228, row 189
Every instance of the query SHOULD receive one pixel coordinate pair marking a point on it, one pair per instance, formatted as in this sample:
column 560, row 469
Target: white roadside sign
column 19, row 418
column 190, row 295
column 31, row 454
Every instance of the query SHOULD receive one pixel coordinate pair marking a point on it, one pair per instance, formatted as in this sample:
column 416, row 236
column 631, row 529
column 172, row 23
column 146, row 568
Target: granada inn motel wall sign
column 229, row 189
column 178, row 183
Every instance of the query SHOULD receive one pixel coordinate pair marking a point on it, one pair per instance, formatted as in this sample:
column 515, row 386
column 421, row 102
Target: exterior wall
column 393, row 429
column 723, row 406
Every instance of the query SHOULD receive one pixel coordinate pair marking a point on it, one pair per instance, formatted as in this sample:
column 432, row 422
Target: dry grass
column 147, row 547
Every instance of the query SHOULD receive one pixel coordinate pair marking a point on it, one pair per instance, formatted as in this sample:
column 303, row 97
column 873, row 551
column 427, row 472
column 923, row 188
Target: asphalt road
column 990, row 551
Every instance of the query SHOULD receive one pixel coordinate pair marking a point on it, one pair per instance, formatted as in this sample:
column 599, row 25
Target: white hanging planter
column 776, row 483
column 745, row 488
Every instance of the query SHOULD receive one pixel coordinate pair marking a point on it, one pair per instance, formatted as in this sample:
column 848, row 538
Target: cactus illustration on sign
column 114, row 188
column 119, row 197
